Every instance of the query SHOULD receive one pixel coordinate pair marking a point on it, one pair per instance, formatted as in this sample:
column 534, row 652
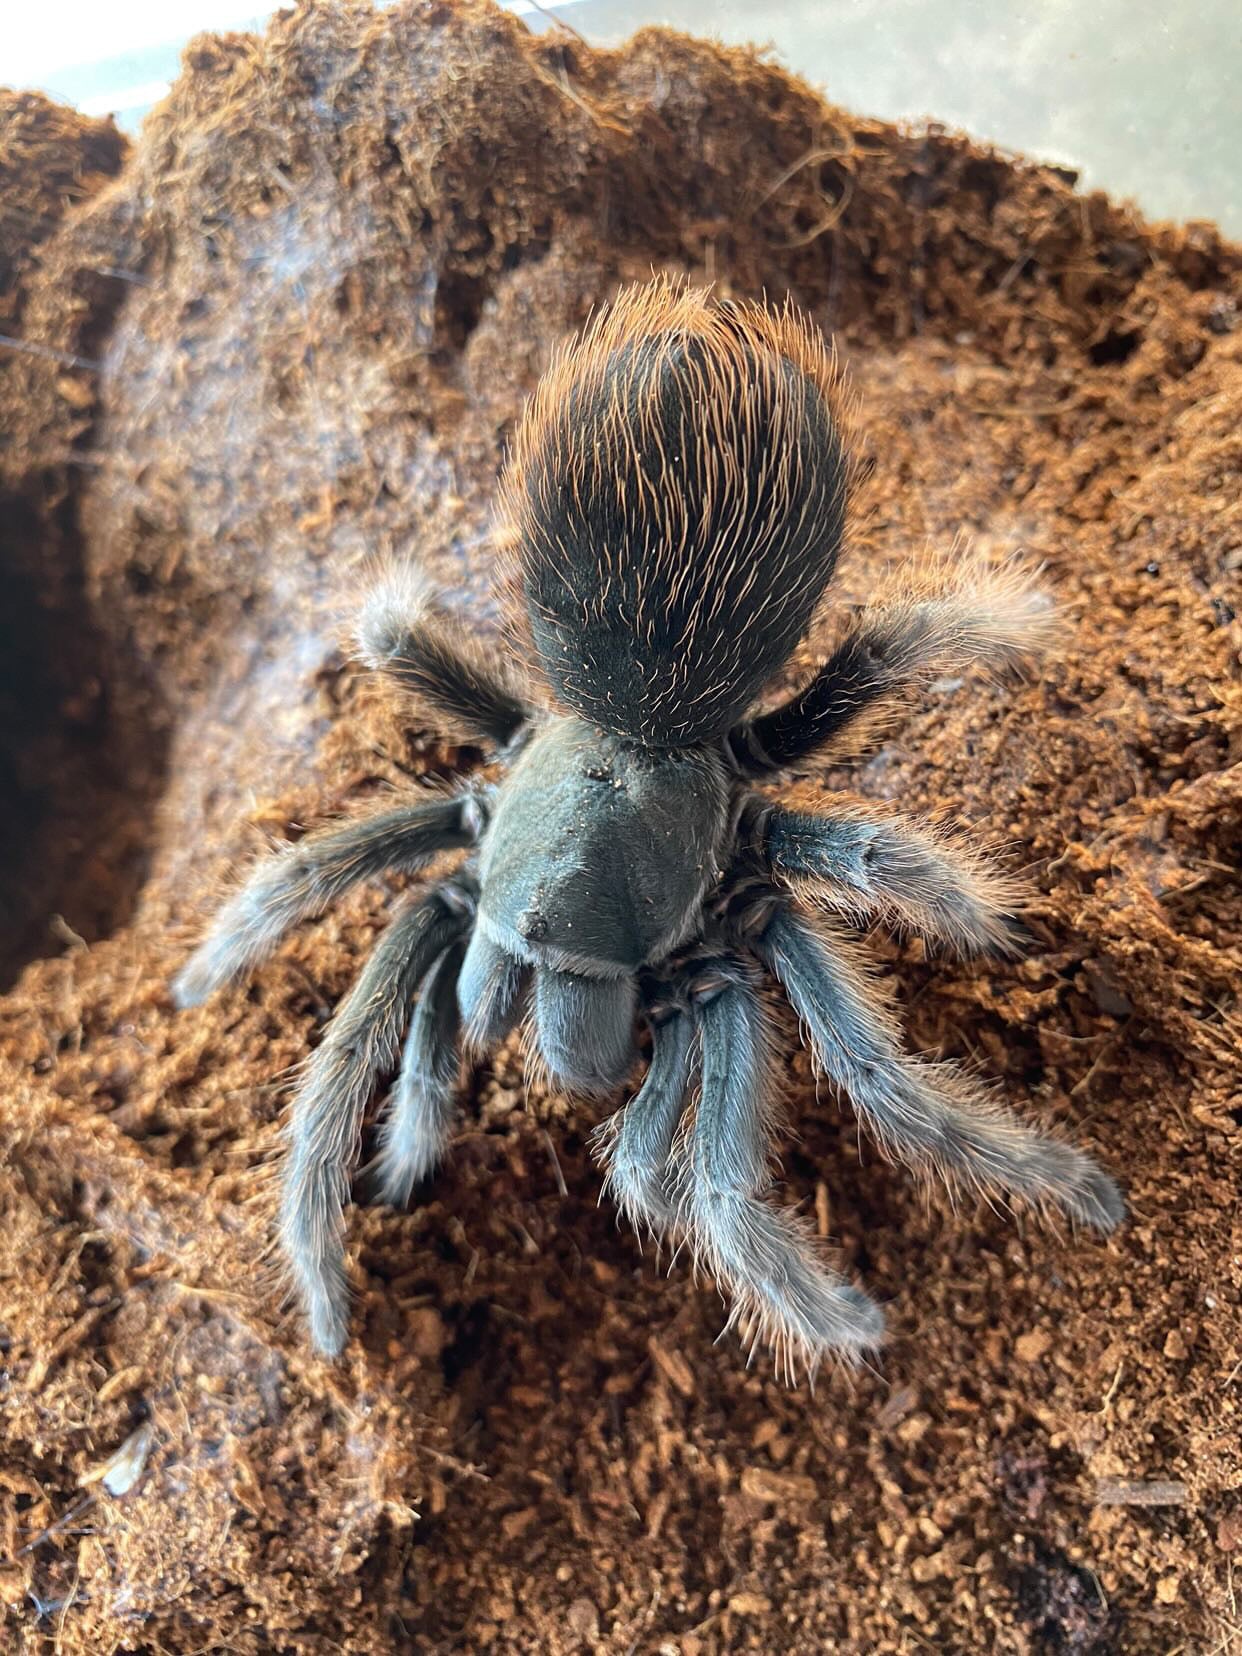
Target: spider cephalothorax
column 676, row 499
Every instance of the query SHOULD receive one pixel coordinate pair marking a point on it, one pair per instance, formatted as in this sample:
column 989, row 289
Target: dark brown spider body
column 678, row 492
column 676, row 500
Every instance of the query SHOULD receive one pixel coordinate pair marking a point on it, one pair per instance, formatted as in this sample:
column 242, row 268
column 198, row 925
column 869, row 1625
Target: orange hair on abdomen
column 676, row 497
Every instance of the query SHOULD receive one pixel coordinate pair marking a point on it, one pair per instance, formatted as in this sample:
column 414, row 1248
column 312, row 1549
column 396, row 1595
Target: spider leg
column 299, row 882
column 419, row 1113
column 767, row 1256
column 989, row 620
column 635, row 1144
column 585, row 1027
column 401, row 633
column 873, row 868
column 361, row 1041
column 928, row 1115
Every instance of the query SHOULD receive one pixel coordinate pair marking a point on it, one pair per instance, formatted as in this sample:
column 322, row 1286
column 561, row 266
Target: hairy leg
column 767, row 1257
column 401, row 633
column 419, row 1112
column 299, row 882
column 985, row 619
column 636, row 1143
column 873, row 868
column 928, row 1115
column 361, row 1042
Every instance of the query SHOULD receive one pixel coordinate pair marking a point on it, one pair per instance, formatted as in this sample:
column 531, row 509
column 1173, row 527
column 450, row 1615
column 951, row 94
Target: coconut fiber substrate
column 289, row 331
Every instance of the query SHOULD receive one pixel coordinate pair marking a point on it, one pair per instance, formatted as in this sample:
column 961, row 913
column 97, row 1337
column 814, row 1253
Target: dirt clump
column 347, row 249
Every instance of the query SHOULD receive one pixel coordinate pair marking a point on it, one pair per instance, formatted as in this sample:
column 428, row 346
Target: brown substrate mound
column 346, row 251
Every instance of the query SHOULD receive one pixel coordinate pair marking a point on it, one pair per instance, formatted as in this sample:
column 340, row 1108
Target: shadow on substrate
column 81, row 756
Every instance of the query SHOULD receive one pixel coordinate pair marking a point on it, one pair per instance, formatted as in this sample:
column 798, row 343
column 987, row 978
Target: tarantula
column 675, row 498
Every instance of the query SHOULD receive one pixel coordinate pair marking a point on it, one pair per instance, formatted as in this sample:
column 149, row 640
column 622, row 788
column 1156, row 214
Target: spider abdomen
column 678, row 493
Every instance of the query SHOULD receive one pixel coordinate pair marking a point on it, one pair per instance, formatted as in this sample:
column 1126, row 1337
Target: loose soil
column 290, row 330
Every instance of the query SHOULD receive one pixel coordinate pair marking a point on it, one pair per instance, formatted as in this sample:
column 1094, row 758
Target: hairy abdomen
column 678, row 492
